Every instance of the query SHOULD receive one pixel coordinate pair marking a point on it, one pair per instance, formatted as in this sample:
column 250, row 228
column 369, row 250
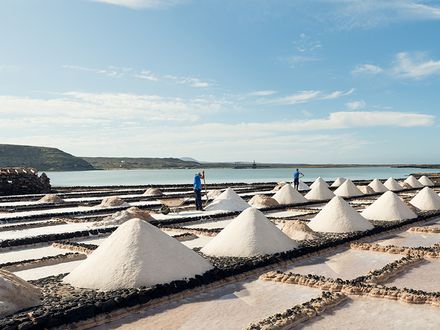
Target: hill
column 40, row 158
column 108, row 163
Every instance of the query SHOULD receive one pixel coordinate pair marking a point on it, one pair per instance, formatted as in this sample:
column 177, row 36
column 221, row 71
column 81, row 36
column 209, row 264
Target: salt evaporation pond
column 197, row 242
column 376, row 314
column 410, row 239
column 232, row 306
column 40, row 272
column 95, row 241
column 287, row 213
column 29, row 253
column 346, row 265
column 210, row 224
column 48, row 212
column 424, row 276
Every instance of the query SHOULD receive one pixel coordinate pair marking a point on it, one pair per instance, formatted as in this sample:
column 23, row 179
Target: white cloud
column 356, row 105
column 146, row 74
column 189, row 81
column 306, row 96
column 263, row 93
column 304, row 43
column 414, row 66
column 367, row 68
column 141, row 4
column 110, row 71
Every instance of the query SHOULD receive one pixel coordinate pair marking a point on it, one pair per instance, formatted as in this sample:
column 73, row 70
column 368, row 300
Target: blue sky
column 324, row 81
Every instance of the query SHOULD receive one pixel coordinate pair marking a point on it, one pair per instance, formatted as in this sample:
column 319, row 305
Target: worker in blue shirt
column 198, row 190
column 296, row 175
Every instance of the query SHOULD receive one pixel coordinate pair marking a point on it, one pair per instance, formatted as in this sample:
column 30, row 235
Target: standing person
column 296, row 175
column 198, row 190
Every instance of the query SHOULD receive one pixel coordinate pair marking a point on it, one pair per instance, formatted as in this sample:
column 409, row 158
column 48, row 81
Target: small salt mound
column 153, row 192
column 288, row 195
column 426, row 200
column 338, row 182
column 113, row 201
column 413, row 182
column 388, row 207
column 319, row 192
column 125, row 215
column 378, row 186
column 261, row 201
column 137, row 254
column 298, row 230
column 337, row 216
column 279, row 185
column 366, row 190
column 250, row 234
column 317, row 181
column 228, row 201
column 51, row 198
column 424, row 180
column 302, row 186
column 392, row 185
column 347, row 189
column 16, row 294
column 212, row 194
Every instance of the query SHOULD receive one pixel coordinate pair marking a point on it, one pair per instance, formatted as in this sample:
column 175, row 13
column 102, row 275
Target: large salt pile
column 279, row 185
column 212, row 194
column 339, row 217
column 366, row 190
column 348, row 189
column 388, row 207
column 378, row 186
column 137, row 254
column 51, row 198
column 228, row 201
column 249, row 234
column 125, row 215
column 426, row 200
column 338, row 182
column 298, row 230
column 261, row 201
column 289, row 195
column 113, row 201
column 412, row 182
column 317, row 181
column 424, row 180
column 303, row 186
column 319, row 192
column 153, row 192
column 16, row 294
column 392, row 185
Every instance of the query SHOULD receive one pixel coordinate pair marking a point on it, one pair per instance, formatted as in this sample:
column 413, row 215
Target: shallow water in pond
column 346, row 265
column 376, row 314
column 424, row 276
column 230, row 307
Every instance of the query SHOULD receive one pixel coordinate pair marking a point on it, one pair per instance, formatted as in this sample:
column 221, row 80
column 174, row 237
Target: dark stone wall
column 20, row 181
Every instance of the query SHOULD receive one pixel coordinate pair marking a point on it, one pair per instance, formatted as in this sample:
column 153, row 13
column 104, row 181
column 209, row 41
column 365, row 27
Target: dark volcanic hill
column 41, row 158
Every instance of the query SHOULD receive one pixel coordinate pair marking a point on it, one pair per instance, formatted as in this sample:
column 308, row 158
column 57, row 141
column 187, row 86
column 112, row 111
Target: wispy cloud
column 146, row 74
column 306, row 96
column 263, row 93
column 305, row 43
column 141, row 4
column 110, row 71
column 356, row 105
column 190, row 81
column 367, row 69
column 352, row 14
column 415, row 66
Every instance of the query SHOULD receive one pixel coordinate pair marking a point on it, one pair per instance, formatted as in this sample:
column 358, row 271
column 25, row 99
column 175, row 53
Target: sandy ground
column 347, row 264
column 230, row 307
column 425, row 276
column 377, row 314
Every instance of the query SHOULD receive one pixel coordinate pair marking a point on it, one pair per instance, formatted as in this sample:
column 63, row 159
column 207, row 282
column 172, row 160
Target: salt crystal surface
column 378, row 186
column 249, row 234
column 32, row 232
column 320, row 181
column 426, row 200
column 40, row 272
column 286, row 214
column 228, row 201
column 424, row 276
column 376, row 314
column 137, row 254
column 339, row 217
column 209, row 224
column 20, row 254
column 348, row 189
column 424, row 180
column 388, row 207
column 288, row 195
column 230, row 307
column 262, row 201
column 410, row 239
column 319, row 192
column 338, row 182
column 392, row 185
column 346, row 265
column 303, row 186
column 413, row 182
column 198, row 242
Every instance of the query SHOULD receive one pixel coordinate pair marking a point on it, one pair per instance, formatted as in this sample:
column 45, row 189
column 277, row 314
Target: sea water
column 219, row 175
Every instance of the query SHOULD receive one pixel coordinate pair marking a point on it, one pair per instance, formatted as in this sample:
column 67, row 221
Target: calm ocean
column 218, row 175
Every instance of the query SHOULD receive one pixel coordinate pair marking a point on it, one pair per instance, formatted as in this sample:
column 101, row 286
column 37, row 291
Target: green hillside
column 40, row 158
column 106, row 163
